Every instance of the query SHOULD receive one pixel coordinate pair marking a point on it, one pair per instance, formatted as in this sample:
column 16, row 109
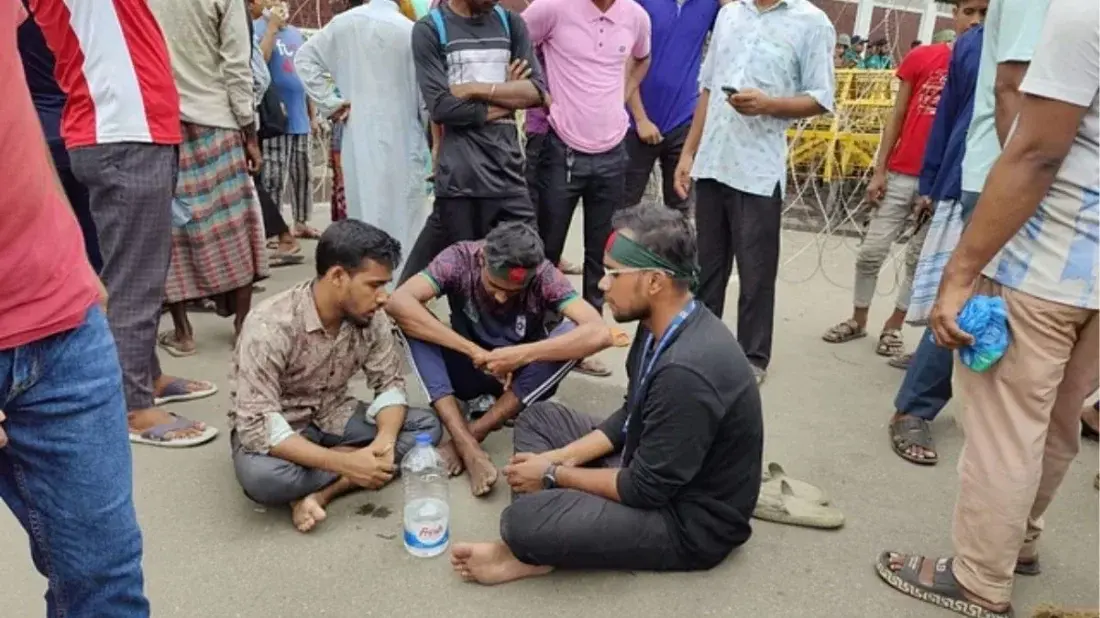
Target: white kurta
column 368, row 53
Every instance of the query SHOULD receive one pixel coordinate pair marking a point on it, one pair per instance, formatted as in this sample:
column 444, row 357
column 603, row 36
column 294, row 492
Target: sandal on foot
column 890, row 343
column 944, row 592
column 844, row 332
column 592, row 367
column 909, row 431
column 773, row 476
column 276, row 260
column 157, row 434
column 1029, row 568
column 901, row 361
column 172, row 345
column 784, row 507
column 177, row 390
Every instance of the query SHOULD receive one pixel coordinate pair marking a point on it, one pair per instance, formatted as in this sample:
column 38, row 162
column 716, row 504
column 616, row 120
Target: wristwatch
column 550, row 477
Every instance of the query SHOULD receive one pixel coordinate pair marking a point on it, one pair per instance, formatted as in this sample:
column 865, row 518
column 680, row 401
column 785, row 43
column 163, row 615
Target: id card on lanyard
column 644, row 368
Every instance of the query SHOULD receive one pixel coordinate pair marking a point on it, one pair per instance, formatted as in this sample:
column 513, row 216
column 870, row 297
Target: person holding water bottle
column 298, row 437
column 667, row 482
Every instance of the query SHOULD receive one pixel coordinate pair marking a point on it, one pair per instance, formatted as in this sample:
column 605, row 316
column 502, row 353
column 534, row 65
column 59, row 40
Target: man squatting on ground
column 501, row 293
column 669, row 481
column 298, row 437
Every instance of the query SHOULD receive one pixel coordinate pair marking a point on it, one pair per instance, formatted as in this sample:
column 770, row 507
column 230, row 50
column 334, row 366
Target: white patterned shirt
column 1054, row 255
column 784, row 51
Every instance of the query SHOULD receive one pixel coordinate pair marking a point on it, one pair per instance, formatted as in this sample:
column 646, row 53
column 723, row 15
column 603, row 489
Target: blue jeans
column 926, row 388
column 66, row 472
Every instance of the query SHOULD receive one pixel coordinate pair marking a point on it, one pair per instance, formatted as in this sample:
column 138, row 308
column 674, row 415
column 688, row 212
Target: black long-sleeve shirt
column 694, row 443
column 477, row 158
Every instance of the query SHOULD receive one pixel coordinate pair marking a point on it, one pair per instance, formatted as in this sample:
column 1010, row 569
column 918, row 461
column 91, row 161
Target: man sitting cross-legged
column 501, row 291
column 669, row 481
column 298, row 437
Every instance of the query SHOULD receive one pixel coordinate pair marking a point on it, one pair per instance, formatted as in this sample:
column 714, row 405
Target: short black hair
column 348, row 242
column 513, row 243
column 664, row 231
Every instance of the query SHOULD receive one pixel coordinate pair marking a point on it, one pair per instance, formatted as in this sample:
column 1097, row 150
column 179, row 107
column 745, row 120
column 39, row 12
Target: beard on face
column 358, row 321
column 623, row 316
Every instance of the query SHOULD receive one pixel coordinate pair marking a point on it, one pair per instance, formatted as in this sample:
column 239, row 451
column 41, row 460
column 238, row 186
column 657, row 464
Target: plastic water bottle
column 427, row 514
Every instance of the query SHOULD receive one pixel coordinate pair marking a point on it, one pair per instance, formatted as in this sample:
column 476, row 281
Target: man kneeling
column 669, row 481
column 501, row 291
column 298, row 437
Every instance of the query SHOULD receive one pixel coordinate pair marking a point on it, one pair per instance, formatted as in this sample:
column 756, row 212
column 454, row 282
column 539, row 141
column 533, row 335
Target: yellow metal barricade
column 843, row 144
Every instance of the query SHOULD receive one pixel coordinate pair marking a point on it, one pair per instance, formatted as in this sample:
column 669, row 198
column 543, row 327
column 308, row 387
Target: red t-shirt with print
column 46, row 283
column 925, row 70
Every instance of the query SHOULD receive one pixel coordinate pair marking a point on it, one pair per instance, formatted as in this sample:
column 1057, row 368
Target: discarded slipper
column 774, row 473
column 787, row 508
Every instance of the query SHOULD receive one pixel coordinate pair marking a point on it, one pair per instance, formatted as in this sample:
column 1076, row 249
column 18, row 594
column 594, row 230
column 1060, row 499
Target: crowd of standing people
column 177, row 139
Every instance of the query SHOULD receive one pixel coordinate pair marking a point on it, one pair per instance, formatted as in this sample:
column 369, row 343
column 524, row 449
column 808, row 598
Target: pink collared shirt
column 586, row 53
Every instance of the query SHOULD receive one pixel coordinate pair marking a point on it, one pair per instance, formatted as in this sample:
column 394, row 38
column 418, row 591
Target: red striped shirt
column 113, row 64
column 46, row 283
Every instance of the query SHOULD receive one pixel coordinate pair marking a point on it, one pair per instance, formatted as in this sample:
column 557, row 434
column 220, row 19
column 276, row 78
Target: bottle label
column 427, row 536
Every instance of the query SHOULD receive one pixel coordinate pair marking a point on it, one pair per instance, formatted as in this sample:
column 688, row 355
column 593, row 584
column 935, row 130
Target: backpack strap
column 503, row 15
column 440, row 26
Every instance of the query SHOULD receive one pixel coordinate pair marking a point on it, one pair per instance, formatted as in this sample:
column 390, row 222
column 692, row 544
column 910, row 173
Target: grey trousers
column 889, row 220
column 567, row 528
column 130, row 189
column 273, row 481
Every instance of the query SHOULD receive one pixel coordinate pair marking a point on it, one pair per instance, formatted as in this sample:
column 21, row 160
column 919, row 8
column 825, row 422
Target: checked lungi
column 221, row 248
column 287, row 168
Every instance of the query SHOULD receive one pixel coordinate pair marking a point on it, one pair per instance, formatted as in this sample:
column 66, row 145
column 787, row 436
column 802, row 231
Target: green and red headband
column 632, row 254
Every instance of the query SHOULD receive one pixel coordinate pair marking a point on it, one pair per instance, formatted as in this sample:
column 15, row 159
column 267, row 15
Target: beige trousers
column 1022, row 425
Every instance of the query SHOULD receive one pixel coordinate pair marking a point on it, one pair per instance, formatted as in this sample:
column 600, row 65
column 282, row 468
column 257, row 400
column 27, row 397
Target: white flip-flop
column 177, row 391
column 155, row 435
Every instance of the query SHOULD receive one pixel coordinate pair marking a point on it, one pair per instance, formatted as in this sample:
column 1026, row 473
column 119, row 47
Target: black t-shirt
column 476, row 158
column 694, row 442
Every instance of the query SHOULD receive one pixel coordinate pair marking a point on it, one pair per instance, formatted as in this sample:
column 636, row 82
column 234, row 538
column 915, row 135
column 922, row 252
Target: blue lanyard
column 645, row 368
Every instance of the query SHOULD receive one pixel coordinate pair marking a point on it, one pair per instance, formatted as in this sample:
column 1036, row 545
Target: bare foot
column 491, row 563
column 592, row 366
column 451, row 460
column 307, row 513
column 142, row 420
column 481, row 470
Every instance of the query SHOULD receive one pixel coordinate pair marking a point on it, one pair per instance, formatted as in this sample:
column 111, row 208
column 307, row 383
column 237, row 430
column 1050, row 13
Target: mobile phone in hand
column 729, row 90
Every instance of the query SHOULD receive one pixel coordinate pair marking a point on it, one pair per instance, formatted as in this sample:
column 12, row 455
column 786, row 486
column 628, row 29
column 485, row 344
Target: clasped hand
column 501, row 362
column 524, row 472
column 370, row 467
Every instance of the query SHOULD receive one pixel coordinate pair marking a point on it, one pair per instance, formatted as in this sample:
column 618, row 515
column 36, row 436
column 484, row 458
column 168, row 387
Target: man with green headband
column 501, row 292
column 666, row 483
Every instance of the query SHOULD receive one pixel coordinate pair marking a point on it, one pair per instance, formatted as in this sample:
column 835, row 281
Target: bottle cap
column 423, row 439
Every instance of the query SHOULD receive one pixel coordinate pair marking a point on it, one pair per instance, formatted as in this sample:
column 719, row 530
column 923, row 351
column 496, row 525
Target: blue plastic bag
column 986, row 319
